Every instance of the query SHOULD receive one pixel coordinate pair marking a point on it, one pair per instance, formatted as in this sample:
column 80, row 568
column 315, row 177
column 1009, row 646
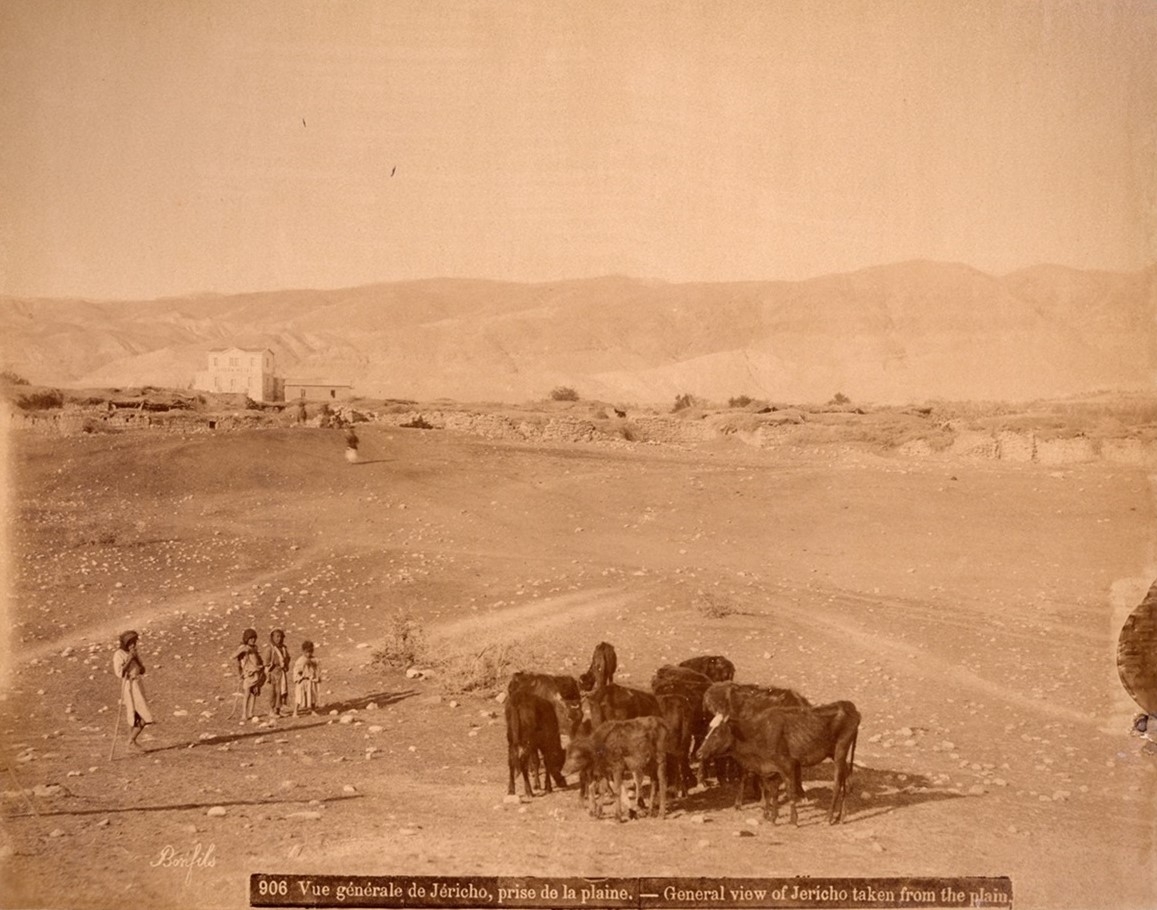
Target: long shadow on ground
column 886, row 791
column 179, row 807
column 289, row 722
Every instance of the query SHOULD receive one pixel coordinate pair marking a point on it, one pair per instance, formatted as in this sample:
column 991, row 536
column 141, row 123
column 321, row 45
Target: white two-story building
column 240, row 370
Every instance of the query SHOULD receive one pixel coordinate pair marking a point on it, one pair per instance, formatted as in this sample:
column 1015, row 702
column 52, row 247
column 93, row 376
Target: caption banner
column 400, row 891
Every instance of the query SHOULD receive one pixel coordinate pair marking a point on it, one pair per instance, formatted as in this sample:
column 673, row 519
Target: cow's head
column 719, row 740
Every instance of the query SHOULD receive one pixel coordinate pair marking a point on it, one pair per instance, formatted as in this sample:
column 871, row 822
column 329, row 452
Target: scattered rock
column 216, row 812
column 305, row 814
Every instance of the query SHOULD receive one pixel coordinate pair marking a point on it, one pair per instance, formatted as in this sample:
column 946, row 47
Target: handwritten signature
column 198, row 857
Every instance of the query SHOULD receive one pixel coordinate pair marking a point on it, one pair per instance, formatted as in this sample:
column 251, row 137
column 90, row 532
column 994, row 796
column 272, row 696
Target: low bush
column 712, row 605
column 404, row 643
column 563, row 393
column 482, row 672
column 741, row 402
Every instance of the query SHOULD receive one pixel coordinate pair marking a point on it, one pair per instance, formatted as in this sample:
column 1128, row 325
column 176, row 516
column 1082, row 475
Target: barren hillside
column 888, row 334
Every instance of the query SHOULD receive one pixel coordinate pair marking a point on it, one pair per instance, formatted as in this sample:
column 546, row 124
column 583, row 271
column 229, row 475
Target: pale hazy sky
column 156, row 148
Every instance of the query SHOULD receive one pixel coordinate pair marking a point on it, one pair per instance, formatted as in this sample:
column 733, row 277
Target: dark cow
column 602, row 668
column 638, row 745
column 679, row 716
column 532, row 728
column 779, row 741
column 714, row 666
column 691, row 685
column 615, row 702
column 730, row 698
column 561, row 691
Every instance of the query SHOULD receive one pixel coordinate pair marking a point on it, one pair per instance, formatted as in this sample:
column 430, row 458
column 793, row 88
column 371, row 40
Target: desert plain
column 969, row 606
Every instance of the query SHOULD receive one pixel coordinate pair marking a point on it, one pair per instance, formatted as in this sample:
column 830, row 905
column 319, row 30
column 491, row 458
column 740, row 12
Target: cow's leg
column 770, row 787
column 839, row 786
column 594, row 807
column 512, row 764
column 661, row 770
column 617, row 789
column 523, row 761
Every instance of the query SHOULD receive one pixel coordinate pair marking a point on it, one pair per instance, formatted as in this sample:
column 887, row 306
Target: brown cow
column 714, row 666
column 615, row 702
column 679, row 716
column 532, row 728
column 730, row 698
column 604, row 662
column 778, row 741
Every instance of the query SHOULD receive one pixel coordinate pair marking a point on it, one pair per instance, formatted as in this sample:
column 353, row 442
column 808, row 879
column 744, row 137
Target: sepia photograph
column 605, row 454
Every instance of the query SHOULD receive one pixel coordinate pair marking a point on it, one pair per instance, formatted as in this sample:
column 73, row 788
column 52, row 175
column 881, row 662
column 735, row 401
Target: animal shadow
column 871, row 792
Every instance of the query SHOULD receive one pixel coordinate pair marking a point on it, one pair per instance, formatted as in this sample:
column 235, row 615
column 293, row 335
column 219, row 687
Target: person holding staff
column 250, row 671
column 127, row 666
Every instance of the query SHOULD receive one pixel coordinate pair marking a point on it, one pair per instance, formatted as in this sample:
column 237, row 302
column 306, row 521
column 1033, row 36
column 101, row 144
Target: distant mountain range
column 891, row 334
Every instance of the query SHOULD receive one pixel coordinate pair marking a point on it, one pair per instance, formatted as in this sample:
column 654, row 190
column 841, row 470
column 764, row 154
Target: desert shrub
column 840, row 398
column 12, row 378
column 483, row 672
column 404, row 643
column 563, row 393
column 741, row 402
column 41, row 400
column 684, row 401
column 712, row 605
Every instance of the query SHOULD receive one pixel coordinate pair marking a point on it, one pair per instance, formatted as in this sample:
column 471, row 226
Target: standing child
column 128, row 666
column 351, row 444
column 277, row 665
column 251, row 672
column 306, row 676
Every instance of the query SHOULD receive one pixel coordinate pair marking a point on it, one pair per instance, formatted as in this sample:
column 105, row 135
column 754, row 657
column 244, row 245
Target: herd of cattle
column 694, row 710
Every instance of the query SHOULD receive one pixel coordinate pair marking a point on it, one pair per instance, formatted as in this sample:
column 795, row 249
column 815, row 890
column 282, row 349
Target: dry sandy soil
column 970, row 610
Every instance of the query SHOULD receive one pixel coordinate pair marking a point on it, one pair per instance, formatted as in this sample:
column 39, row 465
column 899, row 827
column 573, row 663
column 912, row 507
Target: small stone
column 376, row 728
column 56, row 832
column 349, row 788
column 346, row 719
column 103, row 823
column 305, row 815
column 744, row 833
column 216, row 812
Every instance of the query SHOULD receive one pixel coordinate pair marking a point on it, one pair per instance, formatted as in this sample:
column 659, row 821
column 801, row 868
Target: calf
column 638, row 745
column 532, row 728
column 714, row 666
column 601, row 673
column 779, row 741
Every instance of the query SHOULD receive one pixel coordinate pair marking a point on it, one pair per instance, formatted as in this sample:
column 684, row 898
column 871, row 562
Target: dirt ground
column 970, row 609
